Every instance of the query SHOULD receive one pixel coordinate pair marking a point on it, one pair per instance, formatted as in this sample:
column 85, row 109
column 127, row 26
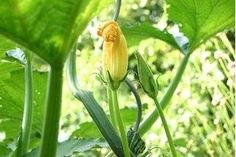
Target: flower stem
column 52, row 117
column 28, row 109
column 149, row 121
column 120, row 124
column 168, row 135
column 111, row 108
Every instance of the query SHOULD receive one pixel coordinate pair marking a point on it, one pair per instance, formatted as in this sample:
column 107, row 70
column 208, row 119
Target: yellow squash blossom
column 115, row 54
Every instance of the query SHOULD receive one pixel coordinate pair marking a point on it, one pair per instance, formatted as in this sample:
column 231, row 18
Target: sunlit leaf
column 138, row 32
column 201, row 19
column 48, row 28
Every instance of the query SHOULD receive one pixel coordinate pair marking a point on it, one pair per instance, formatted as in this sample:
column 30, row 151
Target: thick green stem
column 111, row 108
column 149, row 121
column 28, row 109
column 168, row 135
column 52, row 117
column 120, row 124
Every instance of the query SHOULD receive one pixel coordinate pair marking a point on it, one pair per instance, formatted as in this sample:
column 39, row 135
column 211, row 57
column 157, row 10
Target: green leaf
column 201, row 19
column 129, row 115
column 88, row 130
column 180, row 142
column 137, row 32
column 48, row 28
column 67, row 148
column 12, row 100
column 4, row 151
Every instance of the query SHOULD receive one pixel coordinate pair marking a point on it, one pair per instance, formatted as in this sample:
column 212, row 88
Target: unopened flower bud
column 146, row 77
column 115, row 54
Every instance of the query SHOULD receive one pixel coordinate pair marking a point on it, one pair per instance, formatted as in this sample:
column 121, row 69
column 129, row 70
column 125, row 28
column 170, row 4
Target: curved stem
column 149, row 121
column 117, row 11
column 120, row 124
column 168, row 135
column 52, row 117
column 138, row 101
column 111, row 109
column 28, row 109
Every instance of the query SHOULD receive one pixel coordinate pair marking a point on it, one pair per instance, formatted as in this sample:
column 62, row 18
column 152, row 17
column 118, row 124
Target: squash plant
column 49, row 30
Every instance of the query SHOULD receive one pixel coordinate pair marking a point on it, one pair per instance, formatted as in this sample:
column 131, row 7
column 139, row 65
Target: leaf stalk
column 28, row 109
column 165, row 125
column 52, row 116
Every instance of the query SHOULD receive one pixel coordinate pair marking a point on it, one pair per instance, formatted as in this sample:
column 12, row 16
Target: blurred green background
column 201, row 112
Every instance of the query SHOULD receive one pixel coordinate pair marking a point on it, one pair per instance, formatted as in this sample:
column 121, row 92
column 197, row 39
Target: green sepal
column 114, row 85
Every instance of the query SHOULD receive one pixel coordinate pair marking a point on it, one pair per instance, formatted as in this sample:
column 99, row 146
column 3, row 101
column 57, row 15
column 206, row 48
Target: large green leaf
column 198, row 19
column 12, row 101
column 201, row 19
column 48, row 28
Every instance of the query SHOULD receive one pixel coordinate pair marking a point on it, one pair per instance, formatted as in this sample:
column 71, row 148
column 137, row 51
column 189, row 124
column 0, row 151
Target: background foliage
column 201, row 114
